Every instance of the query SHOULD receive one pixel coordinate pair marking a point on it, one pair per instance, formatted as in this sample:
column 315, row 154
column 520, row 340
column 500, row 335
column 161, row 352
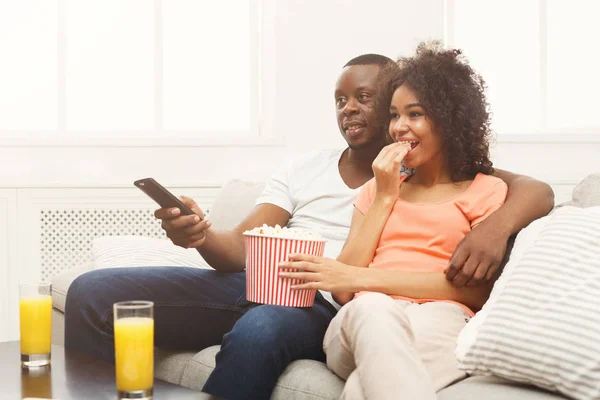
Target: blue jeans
column 194, row 309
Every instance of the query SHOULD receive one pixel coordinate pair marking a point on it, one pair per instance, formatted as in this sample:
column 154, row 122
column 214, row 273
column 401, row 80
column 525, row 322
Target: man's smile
column 353, row 128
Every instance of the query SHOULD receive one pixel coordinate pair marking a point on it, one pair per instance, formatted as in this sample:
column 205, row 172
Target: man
column 199, row 308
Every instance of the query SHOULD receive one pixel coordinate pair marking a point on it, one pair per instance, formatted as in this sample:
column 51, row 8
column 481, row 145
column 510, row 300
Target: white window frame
column 545, row 134
column 262, row 91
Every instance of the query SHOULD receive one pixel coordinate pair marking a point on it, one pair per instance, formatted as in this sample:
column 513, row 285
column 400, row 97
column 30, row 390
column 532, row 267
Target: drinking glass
column 134, row 349
column 35, row 314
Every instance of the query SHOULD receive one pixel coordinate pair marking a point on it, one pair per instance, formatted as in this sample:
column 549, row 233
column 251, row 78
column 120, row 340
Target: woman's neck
column 432, row 173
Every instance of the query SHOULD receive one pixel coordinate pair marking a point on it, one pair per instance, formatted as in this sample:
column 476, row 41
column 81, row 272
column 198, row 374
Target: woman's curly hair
column 453, row 97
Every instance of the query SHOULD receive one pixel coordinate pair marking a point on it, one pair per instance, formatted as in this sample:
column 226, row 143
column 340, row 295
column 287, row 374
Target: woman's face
column 409, row 123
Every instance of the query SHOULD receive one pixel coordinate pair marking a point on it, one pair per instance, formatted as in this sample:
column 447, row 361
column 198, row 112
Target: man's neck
column 356, row 165
column 362, row 159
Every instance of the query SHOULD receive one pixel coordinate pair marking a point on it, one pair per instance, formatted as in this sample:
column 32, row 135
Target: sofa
column 303, row 379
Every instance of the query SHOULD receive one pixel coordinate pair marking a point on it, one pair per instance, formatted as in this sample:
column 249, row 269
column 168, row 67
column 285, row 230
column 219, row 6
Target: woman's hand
column 322, row 273
column 386, row 168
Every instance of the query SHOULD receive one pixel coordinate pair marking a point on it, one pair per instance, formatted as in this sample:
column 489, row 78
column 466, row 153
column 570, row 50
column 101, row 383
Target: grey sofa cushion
column 301, row 380
column 308, row 379
column 170, row 365
column 493, row 388
column 311, row 380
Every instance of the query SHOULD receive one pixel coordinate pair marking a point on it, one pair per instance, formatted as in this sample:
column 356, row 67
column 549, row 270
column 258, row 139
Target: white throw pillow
column 544, row 326
column 141, row 251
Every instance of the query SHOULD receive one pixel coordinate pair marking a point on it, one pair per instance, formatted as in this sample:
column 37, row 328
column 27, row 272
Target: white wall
column 316, row 38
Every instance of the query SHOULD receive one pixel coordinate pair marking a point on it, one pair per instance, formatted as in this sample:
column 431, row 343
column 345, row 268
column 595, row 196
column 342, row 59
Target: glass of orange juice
column 35, row 313
column 134, row 349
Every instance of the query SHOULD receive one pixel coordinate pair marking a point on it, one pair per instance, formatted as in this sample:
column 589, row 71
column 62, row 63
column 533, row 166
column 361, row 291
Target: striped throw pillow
column 142, row 251
column 544, row 328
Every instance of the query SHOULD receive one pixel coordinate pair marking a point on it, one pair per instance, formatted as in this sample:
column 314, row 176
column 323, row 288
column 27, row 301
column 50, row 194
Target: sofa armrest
column 62, row 281
column 587, row 192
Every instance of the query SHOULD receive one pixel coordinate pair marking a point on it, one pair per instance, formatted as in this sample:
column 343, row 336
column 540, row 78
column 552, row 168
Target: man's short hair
column 370, row 59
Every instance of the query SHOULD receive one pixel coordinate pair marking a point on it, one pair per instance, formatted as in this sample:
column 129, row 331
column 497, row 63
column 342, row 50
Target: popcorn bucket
column 263, row 284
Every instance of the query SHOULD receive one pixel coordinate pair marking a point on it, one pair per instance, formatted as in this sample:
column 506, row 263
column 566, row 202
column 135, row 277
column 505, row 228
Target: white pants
column 394, row 349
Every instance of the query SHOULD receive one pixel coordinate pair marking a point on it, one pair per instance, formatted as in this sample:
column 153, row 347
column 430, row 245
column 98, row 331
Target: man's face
column 355, row 93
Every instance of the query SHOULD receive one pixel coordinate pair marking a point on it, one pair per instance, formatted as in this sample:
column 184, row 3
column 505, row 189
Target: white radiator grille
column 67, row 234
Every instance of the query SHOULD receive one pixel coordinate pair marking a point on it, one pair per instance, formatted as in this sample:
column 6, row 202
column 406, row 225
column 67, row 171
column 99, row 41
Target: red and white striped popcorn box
column 263, row 283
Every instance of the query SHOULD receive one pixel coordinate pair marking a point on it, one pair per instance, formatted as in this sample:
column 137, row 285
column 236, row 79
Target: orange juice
column 36, row 324
column 134, row 353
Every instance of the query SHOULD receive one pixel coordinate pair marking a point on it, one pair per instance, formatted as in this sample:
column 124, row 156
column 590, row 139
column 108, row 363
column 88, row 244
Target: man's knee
column 80, row 288
column 89, row 297
column 84, row 287
column 262, row 327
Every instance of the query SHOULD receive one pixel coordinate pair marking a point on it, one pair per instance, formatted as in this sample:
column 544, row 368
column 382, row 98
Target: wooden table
column 72, row 376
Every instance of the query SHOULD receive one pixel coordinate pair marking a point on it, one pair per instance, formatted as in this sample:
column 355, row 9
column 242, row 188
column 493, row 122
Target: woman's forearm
column 422, row 285
column 360, row 248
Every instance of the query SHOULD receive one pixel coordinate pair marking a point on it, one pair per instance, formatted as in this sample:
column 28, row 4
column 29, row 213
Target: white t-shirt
column 311, row 189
